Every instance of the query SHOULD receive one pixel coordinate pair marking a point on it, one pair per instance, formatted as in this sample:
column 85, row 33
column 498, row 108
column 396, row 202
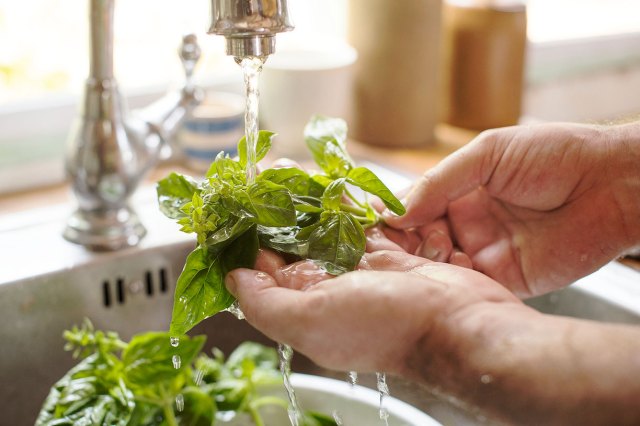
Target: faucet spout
column 109, row 151
column 249, row 26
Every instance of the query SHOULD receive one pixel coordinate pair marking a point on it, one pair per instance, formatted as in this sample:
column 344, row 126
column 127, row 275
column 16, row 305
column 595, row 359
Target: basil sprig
column 306, row 215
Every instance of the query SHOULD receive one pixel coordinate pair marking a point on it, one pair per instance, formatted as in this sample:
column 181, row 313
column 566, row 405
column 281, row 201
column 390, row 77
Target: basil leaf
column 366, row 180
column 234, row 227
column 200, row 291
column 242, row 252
column 263, row 145
column 261, row 356
column 226, row 169
column 338, row 241
column 326, row 138
column 199, row 408
column 175, row 191
column 270, row 204
column 282, row 239
column 90, row 393
column 148, row 357
column 332, row 197
column 294, row 179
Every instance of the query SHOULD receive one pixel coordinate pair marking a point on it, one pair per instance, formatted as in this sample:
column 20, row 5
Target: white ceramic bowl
column 356, row 406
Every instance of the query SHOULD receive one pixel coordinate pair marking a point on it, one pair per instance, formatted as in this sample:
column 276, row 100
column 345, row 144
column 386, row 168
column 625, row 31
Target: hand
column 368, row 320
column 535, row 207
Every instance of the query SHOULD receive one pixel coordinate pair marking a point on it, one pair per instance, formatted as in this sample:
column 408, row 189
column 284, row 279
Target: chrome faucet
column 249, row 26
column 110, row 151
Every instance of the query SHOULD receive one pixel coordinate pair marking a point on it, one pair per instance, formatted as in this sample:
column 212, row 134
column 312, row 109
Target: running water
column 251, row 67
column 353, row 379
column 383, row 389
column 286, row 353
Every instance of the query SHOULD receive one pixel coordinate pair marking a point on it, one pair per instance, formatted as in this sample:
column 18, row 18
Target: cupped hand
column 367, row 320
column 534, row 207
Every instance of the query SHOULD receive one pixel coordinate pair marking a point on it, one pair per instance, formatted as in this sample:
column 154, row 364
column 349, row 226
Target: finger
column 268, row 307
column 436, row 246
column 408, row 240
column 459, row 258
column 268, row 261
column 456, row 175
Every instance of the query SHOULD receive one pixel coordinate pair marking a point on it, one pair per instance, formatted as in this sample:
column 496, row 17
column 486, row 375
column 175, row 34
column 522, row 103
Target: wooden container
column 395, row 93
column 483, row 63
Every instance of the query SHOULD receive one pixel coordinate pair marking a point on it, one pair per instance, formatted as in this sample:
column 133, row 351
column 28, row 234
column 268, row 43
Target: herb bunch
column 304, row 215
column 136, row 384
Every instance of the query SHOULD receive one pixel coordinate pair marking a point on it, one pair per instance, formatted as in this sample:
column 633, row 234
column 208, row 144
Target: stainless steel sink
column 48, row 284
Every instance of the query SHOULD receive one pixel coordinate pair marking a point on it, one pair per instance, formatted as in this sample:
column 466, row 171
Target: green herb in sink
column 135, row 383
column 307, row 215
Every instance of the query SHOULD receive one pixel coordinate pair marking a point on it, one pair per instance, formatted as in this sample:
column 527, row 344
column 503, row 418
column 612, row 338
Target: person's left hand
column 371, row 319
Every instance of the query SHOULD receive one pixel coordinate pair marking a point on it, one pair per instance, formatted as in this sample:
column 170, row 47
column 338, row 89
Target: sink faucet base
column 102, row 230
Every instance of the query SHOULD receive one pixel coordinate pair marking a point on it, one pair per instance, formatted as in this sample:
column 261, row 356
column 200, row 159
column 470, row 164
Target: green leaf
column 270, row 204
column 200, row 291
column 263, row 145
column 260, row 355
column 90, row 393
column 175, row 191
column 332, row 197
column 148, row 357
column 326, row 138
column 242, row 252
column 338, row 241
column 294, row 179
column 234, row 227
column 366, row 180
column 199, row 408
column 226, row 169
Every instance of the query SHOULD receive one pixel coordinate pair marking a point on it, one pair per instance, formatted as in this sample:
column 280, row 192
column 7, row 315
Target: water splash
column 337, row 418
column 234, row 308
column 383, row 389
column 174, row 341
column 286, row 353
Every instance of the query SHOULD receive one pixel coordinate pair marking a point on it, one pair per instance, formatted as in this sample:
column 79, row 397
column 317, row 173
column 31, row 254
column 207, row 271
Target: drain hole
column 106, row 293
column 163, row 280
column 148, row 279
column 120, row 290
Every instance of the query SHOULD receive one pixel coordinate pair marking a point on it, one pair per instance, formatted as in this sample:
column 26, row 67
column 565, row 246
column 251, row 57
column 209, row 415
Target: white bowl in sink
column 355, row 405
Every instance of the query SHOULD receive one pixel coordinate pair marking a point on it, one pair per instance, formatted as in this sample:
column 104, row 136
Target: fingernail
column 430, row 252
column 231, row 284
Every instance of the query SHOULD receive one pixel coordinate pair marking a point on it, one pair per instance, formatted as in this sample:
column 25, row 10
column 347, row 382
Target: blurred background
column 582, row 63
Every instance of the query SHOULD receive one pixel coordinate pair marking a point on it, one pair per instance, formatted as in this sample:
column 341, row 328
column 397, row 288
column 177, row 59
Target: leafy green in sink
column 136, row 384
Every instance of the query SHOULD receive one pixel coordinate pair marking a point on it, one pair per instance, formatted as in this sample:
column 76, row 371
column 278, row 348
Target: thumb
column 456, row 175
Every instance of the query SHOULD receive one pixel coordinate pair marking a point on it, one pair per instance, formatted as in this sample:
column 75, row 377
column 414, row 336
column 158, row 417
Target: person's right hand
column 535, row 207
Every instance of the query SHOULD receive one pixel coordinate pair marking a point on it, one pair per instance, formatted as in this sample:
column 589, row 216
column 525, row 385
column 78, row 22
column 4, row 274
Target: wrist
column 626, row 166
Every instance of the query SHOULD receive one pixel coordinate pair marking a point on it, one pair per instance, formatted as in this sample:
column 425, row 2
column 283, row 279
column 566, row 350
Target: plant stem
column 255, row 416
column 354, row 199
column 169, row 417
column 349, row 208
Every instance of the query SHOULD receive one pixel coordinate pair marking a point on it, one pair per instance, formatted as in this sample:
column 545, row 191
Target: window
column 44, row 58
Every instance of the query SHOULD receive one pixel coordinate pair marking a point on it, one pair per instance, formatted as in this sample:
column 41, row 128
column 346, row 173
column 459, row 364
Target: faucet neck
column 101, row 47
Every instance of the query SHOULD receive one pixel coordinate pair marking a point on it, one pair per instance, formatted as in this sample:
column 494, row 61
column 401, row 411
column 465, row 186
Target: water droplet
column 180, row 402
column 199, row 377
column 353, row 378
column 486, row 378
column 175, row 341
column 177, row 361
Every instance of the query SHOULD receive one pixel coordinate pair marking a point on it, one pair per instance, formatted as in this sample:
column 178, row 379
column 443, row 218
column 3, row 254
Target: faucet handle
column 189, row 53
